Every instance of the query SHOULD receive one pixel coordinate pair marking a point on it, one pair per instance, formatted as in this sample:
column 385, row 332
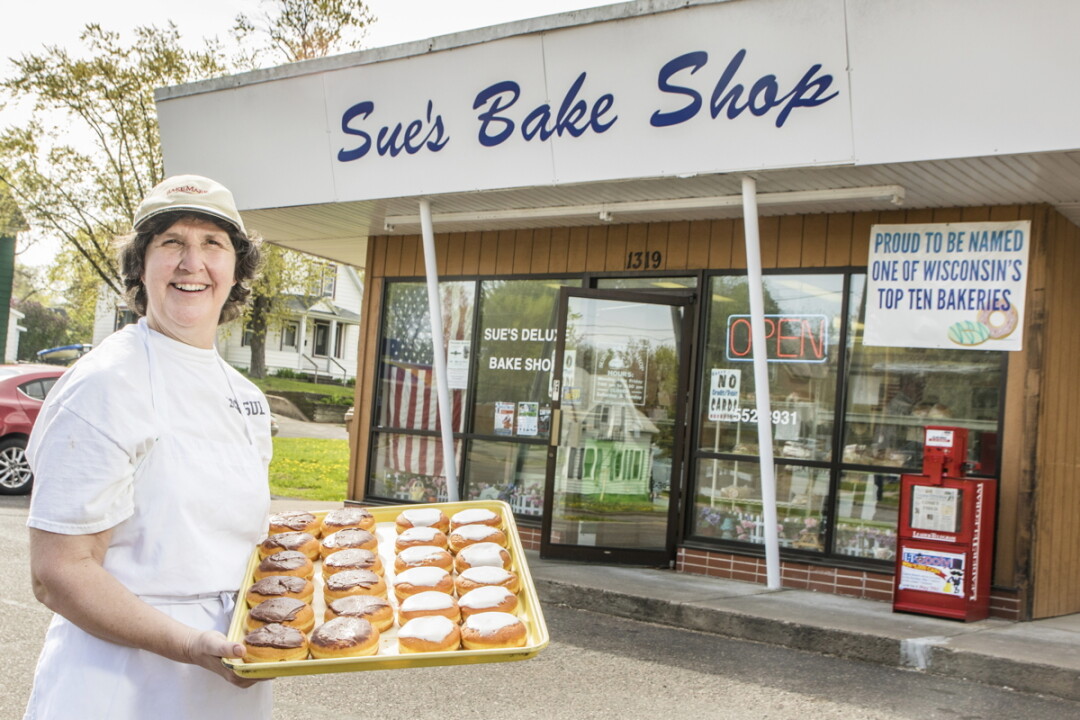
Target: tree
column 45, row 328
column 305, row 29
column 91, row 152
column 296, row 30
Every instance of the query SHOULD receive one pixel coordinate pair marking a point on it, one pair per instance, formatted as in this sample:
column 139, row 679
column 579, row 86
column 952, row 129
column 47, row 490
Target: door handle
column 556, row 416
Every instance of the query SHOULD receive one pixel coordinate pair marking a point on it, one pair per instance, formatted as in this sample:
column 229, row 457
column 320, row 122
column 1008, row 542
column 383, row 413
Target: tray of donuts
column 386, row 587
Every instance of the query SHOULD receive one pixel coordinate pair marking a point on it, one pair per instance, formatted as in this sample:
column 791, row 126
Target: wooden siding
column 1055, row 540
column 1037, row 553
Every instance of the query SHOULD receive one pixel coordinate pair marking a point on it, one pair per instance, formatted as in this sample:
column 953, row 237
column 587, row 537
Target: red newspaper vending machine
column 945, row 541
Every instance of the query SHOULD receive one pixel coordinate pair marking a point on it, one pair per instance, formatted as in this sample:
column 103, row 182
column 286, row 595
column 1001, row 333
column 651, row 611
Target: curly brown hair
column 132, row 252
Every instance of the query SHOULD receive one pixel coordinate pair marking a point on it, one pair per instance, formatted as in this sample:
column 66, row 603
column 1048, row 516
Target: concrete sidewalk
column 1036, row 657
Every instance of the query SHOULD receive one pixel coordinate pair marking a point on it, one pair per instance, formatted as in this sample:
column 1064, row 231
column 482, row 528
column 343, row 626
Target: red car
column 22, row 390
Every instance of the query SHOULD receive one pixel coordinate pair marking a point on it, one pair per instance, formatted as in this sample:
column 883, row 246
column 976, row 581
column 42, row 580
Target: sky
column 29, row 26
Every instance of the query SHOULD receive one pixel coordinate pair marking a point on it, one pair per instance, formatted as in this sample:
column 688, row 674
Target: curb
column 937, row 655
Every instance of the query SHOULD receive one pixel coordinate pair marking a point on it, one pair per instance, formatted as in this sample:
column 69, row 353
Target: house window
column 322, row 339
column 125, row 317
column 328, row 281
column 339, row 342
column 289, row 333
column 245, row 337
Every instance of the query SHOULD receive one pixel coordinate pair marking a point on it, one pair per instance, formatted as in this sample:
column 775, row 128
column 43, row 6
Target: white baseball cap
column 190, row 192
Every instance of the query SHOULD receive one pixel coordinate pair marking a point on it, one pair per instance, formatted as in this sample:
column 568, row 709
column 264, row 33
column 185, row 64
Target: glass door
column 615, row 458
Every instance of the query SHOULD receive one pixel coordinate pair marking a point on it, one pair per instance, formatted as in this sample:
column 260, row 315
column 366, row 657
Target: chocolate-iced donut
column 286, row 562
column 346, row 518
column 351, row 559
column 348, row 538
column 344, row 637
column 353, row 582
column 302, row 541
column 376, row 610
column 294, row 521
column 280, row 586
column 285, row 610
column 275, row 642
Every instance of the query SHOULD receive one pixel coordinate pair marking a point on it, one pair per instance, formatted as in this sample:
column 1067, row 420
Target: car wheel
column 15, row 475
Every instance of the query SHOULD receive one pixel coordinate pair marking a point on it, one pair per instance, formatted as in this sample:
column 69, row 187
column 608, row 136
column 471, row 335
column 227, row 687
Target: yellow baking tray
column 388, row 658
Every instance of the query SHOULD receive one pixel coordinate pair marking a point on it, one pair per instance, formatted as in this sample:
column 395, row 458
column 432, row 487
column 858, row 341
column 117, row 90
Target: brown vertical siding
column 1056, row 538
column 698, row 243
column 616, row 248
column 677, row 249
column 541, row 250
column 596, row 248
column 815, row 230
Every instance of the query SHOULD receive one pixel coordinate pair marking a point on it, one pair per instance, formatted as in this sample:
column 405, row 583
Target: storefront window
column 515, row 357
column 409, row 467
column 803, row 320
column 728, row 503
column 894, row 393
column 509, row 471
column 867, row 511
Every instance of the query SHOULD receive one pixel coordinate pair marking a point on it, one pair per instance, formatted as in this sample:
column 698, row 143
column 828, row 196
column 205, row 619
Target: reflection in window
column 894, row 393
column 804, row 316
column 409, row 467
column 508, row 471
column 407, row 392
column 867, row 512
column 516, row 356
column 728, row 504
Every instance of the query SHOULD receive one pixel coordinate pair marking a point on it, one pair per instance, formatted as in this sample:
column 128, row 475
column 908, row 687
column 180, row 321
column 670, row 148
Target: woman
column 150, row 460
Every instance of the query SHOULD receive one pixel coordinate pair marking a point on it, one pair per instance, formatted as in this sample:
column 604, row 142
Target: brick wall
column 861, row 584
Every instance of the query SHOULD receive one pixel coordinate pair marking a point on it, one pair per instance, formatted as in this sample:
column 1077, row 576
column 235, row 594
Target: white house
column 321, row 336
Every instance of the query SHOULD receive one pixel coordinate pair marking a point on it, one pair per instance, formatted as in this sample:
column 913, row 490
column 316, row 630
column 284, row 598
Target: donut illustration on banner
column 990, row 324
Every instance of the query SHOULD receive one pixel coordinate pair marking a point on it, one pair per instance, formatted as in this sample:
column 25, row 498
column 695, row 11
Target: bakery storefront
column 587, row 178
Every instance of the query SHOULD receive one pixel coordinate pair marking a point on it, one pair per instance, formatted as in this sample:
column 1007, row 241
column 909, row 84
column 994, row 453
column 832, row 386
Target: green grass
column 310, row 468
column 275, row 384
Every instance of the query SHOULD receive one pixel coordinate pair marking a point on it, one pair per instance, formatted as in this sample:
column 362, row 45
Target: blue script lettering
column 573, row 118
column 763, row 96
column 392, row 140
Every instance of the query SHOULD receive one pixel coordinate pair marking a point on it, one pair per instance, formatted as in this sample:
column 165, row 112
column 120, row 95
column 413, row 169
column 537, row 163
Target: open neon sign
column 788, row 338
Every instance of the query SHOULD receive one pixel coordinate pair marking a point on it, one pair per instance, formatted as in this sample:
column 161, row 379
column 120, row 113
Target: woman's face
column 189, row 271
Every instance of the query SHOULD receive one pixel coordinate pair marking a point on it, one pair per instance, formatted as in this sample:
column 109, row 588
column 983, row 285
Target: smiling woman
column 151, row 453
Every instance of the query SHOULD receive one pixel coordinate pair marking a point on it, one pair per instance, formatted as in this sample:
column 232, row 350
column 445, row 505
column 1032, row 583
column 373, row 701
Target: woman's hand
column 69, row 578
column 207, row 648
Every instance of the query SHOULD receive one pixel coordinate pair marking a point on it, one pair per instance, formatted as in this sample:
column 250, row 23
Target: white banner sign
column 959, row 286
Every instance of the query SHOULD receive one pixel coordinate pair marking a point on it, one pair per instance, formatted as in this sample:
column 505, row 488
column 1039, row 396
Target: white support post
column 761, row 382
column 442, row 385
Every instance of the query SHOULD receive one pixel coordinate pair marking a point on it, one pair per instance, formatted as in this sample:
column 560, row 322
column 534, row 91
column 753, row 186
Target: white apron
column 183, row 486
